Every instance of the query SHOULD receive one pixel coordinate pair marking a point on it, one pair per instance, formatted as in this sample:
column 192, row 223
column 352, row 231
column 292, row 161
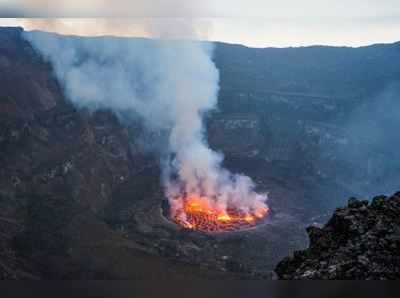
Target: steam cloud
column 169, row 85
column 373, row 127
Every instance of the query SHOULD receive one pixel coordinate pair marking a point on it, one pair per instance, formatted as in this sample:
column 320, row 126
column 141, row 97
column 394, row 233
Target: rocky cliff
column 55, row 163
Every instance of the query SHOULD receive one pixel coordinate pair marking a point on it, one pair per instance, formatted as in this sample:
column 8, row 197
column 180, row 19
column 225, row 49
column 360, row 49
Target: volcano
column 81, row 197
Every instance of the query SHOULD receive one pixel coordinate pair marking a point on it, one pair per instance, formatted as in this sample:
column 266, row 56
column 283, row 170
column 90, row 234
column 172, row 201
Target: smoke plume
column 169, row 85
column 373, row 127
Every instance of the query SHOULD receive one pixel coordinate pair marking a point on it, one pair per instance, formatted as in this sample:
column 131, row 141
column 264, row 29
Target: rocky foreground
column 360, row 241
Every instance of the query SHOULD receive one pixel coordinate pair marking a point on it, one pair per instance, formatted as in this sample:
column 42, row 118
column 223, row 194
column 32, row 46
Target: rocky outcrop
column 360, row 241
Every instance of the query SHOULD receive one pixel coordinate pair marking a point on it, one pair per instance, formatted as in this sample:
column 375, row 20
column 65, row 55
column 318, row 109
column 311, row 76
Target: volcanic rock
column 360, row 241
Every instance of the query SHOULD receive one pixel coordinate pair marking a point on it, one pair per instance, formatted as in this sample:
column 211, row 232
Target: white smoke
column 169, row 85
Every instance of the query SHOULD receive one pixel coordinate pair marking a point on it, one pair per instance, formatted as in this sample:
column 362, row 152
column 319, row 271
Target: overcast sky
column 257, row 23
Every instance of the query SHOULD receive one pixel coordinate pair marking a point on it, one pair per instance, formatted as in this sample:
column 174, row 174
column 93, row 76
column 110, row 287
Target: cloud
column 176, row 28
column 253, row 22
column 211, row 8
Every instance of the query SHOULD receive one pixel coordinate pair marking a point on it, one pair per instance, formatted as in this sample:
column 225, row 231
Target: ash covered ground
column 80, row 193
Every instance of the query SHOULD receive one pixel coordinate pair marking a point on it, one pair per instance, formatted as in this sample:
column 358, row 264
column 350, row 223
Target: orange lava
column 202, row 214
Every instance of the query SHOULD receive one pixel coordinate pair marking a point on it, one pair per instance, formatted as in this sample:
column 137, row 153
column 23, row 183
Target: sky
column 255, row 23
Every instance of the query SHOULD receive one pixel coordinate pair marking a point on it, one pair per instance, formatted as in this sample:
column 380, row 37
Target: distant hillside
column 321, row 70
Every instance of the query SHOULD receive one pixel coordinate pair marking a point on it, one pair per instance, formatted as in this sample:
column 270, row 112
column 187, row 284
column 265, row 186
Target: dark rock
column 378, row 201
column 354, row 203
column 359, row 242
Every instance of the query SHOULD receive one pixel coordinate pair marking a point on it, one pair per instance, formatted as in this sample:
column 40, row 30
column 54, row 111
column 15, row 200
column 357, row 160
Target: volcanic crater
column 247, row 250
column 87, row 176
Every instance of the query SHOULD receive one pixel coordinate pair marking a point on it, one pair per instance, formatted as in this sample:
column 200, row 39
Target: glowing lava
column 203, row 214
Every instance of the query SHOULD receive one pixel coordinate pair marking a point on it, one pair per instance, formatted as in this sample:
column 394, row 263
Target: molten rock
column 206, row 215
